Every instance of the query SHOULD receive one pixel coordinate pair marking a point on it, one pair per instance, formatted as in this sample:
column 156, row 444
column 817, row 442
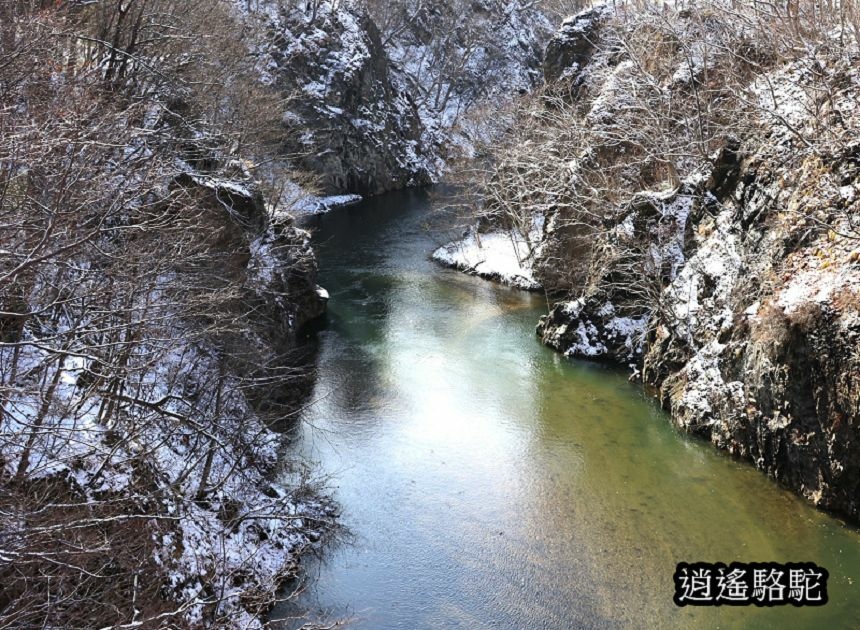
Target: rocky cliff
column 274, row 257
column 380, row 96
column 350, row 117
column 467, row 60
column 724, row 269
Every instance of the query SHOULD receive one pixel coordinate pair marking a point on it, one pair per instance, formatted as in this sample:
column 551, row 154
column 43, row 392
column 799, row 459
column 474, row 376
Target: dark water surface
column 489, row 483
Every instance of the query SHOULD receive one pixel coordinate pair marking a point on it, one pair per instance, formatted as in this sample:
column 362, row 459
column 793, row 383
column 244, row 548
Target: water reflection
column 491, row 484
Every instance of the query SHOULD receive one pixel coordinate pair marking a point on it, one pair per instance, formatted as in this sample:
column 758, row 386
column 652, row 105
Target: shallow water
column 489, row 483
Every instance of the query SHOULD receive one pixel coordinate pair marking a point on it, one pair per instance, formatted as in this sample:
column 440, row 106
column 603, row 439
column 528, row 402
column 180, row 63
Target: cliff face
column 760, row 352
column 467, row 60
column 352, row 115
column 570, row 50
column 734, row 289
column 273, row 256
column 379, row 98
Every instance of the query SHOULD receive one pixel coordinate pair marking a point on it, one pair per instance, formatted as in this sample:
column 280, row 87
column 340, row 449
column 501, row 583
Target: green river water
column 489, row 483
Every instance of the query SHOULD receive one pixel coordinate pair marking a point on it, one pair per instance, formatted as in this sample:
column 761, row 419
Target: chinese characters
column 759, row 584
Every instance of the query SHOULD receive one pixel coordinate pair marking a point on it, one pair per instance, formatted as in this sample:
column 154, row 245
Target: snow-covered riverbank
column 504, row 256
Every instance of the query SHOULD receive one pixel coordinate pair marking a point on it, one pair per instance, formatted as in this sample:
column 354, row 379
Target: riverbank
column 699, row 208
column 488, row 482
column 505, row 256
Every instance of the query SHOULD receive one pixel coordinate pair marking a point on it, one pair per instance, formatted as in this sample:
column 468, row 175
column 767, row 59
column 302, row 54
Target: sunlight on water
column 489, row 483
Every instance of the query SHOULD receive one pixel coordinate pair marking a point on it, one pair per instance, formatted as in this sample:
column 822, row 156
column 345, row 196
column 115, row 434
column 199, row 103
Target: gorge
column 485, row 481
column 272, row 272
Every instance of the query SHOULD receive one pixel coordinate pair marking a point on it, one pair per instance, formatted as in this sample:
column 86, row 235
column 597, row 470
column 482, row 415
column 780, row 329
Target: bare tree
column 609, row 155
column 147, row 297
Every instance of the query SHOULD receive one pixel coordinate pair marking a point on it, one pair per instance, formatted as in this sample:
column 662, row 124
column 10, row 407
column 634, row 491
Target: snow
column 697, row 56
column 630, row 329
column 218, row 184
column 312, row 204
column 328, row 46
column 668, row 238
column 592, row 340
column 816, row 286
column 594, row 336
column 586, row 346
column 502, row 255
column 615, row 94
column 584, row 21
column 263, row 261
column 788, row 99
column 752, row 310
column 705, row 388
column 197, row 550
column 574, row 307
column 717, row 263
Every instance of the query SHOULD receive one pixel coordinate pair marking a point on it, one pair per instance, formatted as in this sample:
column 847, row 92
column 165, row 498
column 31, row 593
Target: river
column 489, row 483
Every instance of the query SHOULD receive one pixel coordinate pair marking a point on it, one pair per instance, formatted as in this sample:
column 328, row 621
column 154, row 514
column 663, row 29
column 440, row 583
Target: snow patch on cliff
column 699, row 297
column 705, row 389
column 817, row 286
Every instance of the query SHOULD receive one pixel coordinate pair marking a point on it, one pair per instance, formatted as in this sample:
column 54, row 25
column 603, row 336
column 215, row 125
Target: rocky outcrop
column 570, row 50
column 762, row 355
column 352, row 119
column 642, row 252
column 465, row 56
column 593, row 328
column 273, row 256
column 370, row 110
column 743, row 278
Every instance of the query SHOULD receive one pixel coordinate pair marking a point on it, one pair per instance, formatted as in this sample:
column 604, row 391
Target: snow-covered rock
column 370, row 111
column 570, row 50
column 351, row 118
column 594, row 329
column 740, row 278
column 505, row 256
